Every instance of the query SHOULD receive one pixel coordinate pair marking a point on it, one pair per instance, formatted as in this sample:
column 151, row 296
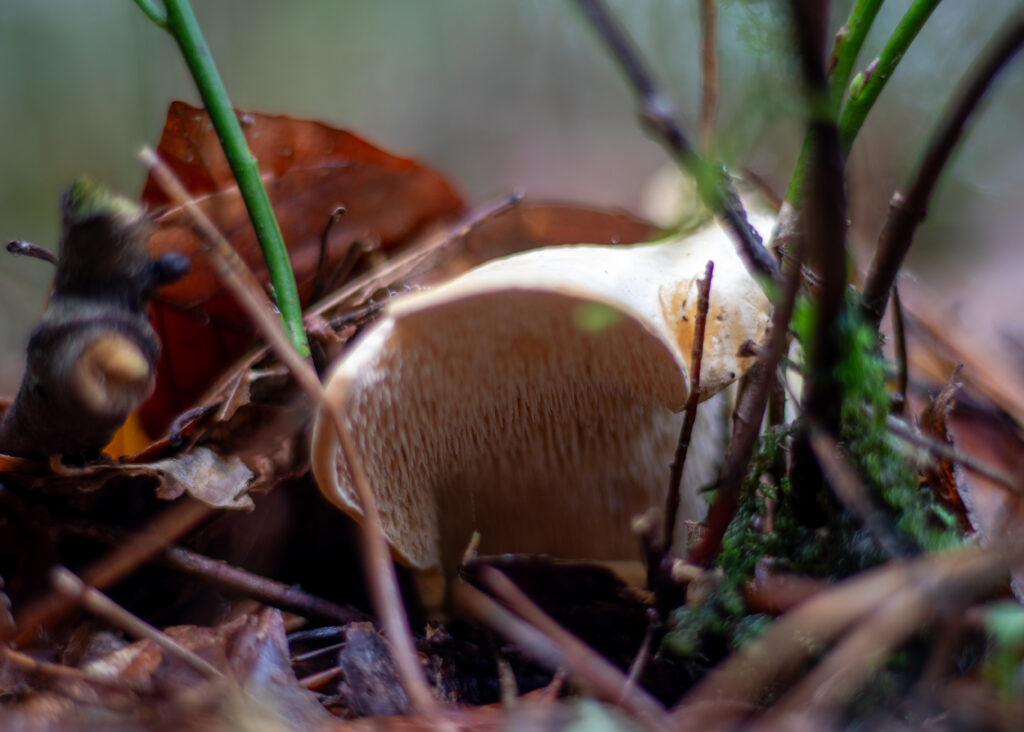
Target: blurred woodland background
column 500, row 96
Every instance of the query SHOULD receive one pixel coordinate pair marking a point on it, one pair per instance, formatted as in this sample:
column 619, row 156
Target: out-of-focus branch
column 907, row 209
column 657, row 114
column 849, row 40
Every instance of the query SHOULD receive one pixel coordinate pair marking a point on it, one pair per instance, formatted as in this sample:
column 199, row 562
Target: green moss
column 1004, row 624
column 87, row 198
column 877, row 457
column 717, row 620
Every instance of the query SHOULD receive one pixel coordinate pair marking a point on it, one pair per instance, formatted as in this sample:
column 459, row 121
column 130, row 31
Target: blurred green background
column 499, row 95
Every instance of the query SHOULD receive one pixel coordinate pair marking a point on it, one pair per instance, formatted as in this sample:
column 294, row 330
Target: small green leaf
column 592, row 317
column 857, row 85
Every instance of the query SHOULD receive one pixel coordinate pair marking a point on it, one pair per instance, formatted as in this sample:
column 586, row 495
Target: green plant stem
column 153, row 11
column 181, row 23
column 857, row 107
column 848, row 43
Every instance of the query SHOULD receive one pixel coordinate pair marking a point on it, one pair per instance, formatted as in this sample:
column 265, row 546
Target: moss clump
column 717, row 621
column 881, row 462
column 714, row 621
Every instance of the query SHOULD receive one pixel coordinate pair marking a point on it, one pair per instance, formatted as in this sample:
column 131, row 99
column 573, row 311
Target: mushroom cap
column 535, row 399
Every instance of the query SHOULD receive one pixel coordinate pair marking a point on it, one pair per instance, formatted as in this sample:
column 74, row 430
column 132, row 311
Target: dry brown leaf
column 309, row 170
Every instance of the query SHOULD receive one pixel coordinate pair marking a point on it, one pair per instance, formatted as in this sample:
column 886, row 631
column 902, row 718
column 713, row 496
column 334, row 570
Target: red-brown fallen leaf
column 532, row 224
column 944, row 475
column 309, row 169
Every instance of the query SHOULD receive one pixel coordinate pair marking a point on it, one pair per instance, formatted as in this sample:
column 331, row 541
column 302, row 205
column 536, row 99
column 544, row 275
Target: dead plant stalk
column 380, row 572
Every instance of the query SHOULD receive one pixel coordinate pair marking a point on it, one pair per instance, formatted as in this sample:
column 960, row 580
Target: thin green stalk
column 153, row 11
column 848, row 44
column 181, row 23
column 862, row 99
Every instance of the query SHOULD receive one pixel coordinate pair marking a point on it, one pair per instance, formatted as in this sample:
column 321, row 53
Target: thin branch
column 683, row 445
column 380, row 572
column 28, row 249
column 657, row 114
column 851, row 493
column 180, row 21
column 906, row 433
column 69, row 585
column 29, row 665
column 747, row 420
column 848, row 42
column 899, row 332
column 320, row 679
column 709, row 70
column 220, row 573
column 948, row 579
column 824, row 222
column 271, row 592
column 928, row 594
column 321, row 281
column 861, row 100
column 153, row 11
column 907, row 210
column 554, row 645
column 177, row 520
column 643, row 655
column 413, row 258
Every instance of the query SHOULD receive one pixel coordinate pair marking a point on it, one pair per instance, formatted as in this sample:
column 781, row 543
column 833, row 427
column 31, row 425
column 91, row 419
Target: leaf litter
column 242, row 447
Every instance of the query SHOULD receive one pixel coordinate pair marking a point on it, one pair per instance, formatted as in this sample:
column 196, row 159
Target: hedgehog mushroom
column 537, row 398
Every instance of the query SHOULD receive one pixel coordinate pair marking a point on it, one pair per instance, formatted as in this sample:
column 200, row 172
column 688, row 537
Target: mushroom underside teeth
column 536, row 399
column 519, row 416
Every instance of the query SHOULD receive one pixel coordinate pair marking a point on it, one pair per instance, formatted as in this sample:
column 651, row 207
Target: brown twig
column 709, row 70
column 162, row 530
column 683, row 445
column 380, row 572
column 230, row 577
column 29, row 665
column 747, row 420
column 823, row 218
column 937, row 449
column 261, row 588
column 321, row 678
column 73, row 588
column 363, row 287
column 907, row 210
column 943, row 589
column 320, row 281
column 548, row 642
column 900, row 346
column 905, row 432
column 949, row 579
column 636, row 668
column 777, row 593
column 850, row 491
column 657, row 114
column 28, row 249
